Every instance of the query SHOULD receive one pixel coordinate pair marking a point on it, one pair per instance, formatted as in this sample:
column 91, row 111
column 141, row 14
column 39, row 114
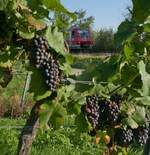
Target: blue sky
column 107, row 13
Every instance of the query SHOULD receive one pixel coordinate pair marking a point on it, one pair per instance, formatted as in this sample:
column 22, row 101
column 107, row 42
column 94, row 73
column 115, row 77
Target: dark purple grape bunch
column 52, row 74
column 141, row 134
column 40, row 52
column 91, row 109
column 112, row 110
column 109, row 111
column 123, row 136
column 103, row 117
column 46, row 62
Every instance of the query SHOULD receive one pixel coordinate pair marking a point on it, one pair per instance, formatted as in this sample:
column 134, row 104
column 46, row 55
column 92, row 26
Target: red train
column 79, row 39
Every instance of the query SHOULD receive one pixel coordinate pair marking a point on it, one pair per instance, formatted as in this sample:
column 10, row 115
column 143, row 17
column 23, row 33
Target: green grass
column 11, row 122
column 84, row 62
column 136, row 151
column 64, row 141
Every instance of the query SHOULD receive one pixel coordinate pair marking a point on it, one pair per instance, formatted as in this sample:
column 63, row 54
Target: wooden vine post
column 29, row 131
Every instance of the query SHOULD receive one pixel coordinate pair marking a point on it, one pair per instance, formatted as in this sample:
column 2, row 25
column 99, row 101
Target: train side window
column 73, row 34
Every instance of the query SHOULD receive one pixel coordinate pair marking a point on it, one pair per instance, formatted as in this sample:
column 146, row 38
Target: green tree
column 103, row 40
column 64, row 22
column 83, row 21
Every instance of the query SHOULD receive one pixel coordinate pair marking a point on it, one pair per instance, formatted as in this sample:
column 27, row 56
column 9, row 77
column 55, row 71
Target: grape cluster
column 105, row 113
column 92, row 109
column 52, row 74
column 123, row 137
column 40, row 52
column 110, row 111
column 45, row 61
column 101, row 112
column 141, row 135
column 102, row 117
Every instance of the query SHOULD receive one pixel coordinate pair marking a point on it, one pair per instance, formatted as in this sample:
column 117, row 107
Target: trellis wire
column 67, row 80
column 72, row 81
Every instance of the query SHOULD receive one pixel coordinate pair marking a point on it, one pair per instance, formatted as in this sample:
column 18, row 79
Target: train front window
column 84, row 34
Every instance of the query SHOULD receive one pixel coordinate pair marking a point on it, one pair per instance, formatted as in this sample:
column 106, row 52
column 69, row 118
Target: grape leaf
column 3, row 4
column 36, row 23
column 57, row 117
column 55, row 39
column 143, row 100
column 69, row 58
column 130, row 75
column 141, row 10
column 139, row 115
column 52, row 113
column 131, row 122
column 33, row 3
column 128, row 50
column 66, row 68
column 146, row 27
column 12, row 5
column 37, row 85
column 6, row 64
column 45, row 112
column 145, row 78
column 74, row 107
column 82, row 124
column 125, row 31
column 26, row 35
column 55, row 5
column 136, row 118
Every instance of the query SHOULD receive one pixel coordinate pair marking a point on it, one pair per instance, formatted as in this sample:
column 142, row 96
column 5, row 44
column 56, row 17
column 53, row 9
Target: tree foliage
column 64, row 22
column 82, row 21
column 104, row 40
